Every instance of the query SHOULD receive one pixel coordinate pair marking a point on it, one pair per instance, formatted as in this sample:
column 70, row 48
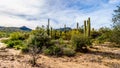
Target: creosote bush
column 80, row 42
column 57, row 50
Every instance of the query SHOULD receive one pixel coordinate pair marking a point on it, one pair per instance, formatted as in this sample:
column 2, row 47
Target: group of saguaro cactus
column 87, row 27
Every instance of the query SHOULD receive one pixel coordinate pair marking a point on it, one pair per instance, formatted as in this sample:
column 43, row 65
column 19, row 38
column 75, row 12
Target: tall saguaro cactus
column 85, row 28
column 88, row 27
column 48, row 30
column 51, row 31
column 77, row 25
column 65, row 29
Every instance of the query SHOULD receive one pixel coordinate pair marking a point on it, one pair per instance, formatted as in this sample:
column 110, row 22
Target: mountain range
column 13, row 29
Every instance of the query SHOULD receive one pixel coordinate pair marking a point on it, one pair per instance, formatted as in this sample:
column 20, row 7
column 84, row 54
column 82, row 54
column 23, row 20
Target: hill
column 14, row 29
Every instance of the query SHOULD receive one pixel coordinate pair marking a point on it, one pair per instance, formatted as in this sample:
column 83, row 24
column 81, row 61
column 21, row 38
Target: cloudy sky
column 32, row 13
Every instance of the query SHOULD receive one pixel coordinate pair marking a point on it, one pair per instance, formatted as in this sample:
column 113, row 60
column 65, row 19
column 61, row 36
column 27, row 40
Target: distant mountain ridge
column 12, row 29
column 25, row 28
column 63, row 29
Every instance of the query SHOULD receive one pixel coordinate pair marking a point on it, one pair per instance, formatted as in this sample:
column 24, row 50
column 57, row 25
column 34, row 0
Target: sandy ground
column 100, row 56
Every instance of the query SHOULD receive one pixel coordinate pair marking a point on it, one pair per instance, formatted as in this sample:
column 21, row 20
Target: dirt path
column 99, row 57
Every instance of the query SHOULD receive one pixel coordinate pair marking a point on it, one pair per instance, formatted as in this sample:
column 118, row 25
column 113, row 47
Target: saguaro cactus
column 77, row 25
column 65, row 29
column 88, row 27
column 85, row 28
column 51, row 31
column 48, row 31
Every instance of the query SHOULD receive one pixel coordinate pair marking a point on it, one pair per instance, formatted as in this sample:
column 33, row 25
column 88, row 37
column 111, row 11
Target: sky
column 33, row 13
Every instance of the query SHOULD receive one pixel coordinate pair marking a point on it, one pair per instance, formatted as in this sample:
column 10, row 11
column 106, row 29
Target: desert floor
column 99, row 56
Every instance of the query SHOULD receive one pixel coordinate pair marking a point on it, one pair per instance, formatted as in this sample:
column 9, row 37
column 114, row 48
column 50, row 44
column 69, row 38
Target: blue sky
column 32, row 13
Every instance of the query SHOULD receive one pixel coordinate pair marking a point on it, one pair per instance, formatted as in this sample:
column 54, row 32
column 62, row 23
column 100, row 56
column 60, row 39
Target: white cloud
column 114, row 1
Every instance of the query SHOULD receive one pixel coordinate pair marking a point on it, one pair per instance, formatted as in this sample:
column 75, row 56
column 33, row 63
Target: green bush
column 69, row 52
column 18, row 36
column 115, row 37
column 80, row 42
column 53, row 50
column 47, row 52
column 24, row 49
column 11, row 43
column 5, row 41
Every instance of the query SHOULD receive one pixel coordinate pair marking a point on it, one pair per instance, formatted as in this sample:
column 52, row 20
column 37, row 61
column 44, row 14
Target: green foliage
column 115, row 37
column 116, row 26
column 24, row 49
column 53, row 50
column 5, row 41
column 11, row 43
column 95, row 34
column 68, row 51
column 41, row 38
column 80, row 42
column 105, row 35
column 61, row 41
column 59, row 51
column 18, row 36
column 3, row 34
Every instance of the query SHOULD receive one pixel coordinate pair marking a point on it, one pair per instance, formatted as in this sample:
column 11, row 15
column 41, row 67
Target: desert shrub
column 61, row 41
column 47, row 51
column 53, row 50
column 11, row 43
column 17, row 36
column 36, row 41
column 80, row 42
column 68, row 52
column 33, row 49
column 41, row 38
column 60, row 50
column 95, row 34
column 24, row 49
column 17, row 47
column 105, row 37
column 3, row 34
column 115, row 37
column 5, row 41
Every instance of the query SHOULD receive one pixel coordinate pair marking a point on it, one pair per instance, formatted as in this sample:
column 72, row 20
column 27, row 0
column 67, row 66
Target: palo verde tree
column 116, row 25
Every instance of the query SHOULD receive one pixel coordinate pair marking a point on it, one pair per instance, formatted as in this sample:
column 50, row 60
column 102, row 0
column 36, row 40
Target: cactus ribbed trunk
column 48, row 31
column 51, row 31
column 88, row 27
column 77, row 25
column 85, row 28
column 65, row 29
